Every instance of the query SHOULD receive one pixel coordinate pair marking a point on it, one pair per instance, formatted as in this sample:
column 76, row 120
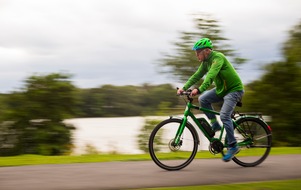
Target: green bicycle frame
column 188, row 113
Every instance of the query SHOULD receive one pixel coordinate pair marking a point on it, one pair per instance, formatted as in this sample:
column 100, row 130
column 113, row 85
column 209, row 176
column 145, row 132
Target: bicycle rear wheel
column 165, row 153
column 255, row 140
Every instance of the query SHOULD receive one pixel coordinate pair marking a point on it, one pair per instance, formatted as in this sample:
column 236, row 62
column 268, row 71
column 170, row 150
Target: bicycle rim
column 162, row 149
column 260, row 141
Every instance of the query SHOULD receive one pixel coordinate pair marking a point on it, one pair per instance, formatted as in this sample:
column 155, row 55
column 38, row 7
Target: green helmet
column 203, row 43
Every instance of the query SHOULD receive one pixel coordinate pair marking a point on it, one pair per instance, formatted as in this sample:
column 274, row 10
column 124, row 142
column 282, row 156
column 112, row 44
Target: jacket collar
column 209, row 56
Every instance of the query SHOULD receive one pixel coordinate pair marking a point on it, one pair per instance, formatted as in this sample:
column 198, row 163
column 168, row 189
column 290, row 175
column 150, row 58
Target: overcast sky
column 117, row 41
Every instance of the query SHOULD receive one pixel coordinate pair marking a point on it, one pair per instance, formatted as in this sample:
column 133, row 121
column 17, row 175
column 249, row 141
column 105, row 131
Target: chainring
column 216, row 146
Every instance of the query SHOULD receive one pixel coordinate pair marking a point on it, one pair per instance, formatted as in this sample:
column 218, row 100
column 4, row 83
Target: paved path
column 143, row 174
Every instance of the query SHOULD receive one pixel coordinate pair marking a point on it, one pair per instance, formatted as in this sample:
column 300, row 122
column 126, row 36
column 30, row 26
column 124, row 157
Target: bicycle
column 174, row 142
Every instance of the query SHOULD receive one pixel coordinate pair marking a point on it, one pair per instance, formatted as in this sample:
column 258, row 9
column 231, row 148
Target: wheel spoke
column 265, row 136
column 165, row 153
column 255, row 140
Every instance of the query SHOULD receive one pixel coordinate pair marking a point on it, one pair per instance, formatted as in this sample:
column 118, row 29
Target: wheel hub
column 173, row 147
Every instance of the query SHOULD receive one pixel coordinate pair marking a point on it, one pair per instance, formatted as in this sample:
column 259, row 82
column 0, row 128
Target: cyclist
column 228, row 89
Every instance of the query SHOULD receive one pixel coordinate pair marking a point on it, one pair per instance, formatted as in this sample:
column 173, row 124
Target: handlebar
column 186, row 93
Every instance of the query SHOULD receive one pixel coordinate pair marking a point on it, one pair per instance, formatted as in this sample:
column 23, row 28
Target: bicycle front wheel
column 255, row 140
column 163, row 150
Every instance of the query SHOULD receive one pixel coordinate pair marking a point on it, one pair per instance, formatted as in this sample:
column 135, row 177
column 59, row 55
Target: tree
column 183, row 63
column 37, row 113
column 110, row 100
column 278, row 93
column 90, row 103
column 50, row 96
column 145, row 132
column 292, row 47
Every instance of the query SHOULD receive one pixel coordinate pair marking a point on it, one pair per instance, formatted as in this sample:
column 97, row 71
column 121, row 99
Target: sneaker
column 231, row 153
column 216, row 127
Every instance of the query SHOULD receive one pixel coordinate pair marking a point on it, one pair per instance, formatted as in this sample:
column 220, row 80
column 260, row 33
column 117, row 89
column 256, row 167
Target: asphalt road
column 144, row 174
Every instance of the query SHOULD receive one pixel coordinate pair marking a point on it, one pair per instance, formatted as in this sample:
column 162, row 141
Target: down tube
column 200, row 127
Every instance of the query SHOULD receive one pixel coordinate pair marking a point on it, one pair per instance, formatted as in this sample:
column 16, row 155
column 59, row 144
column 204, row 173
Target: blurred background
column 63, row 60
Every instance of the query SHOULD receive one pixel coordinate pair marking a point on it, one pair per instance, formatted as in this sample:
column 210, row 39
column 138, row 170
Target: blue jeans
column 230, row 100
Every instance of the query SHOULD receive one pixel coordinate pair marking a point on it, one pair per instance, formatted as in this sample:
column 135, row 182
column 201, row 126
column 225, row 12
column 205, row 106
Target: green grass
column 38, row 159
column 267, row 185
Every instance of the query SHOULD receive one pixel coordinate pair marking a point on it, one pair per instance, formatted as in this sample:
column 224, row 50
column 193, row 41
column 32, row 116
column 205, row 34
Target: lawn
column 267, row 185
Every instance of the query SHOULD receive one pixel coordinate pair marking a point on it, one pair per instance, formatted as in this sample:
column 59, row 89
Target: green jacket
column 220, row 71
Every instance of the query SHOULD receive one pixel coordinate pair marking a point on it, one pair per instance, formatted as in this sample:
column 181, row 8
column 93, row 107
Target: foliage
column 183, row 63
column 8, row 138
column 278, row 93
column 145, row 132
column 91, row 150
column 292, row 47
column 110, row 100
column 90, row 103
column 37, row 113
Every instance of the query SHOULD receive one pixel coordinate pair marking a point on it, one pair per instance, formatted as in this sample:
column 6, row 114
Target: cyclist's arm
column 216, row 66
column 195, row 77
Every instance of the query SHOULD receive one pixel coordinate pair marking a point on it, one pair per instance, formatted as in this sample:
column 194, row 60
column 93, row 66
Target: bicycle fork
column 180, row 130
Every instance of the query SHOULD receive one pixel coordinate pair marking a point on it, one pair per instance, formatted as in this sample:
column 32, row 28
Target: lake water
column 117, row 134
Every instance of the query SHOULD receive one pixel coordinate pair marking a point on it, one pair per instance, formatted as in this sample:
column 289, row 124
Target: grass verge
column 267, row 185
column 38, row 159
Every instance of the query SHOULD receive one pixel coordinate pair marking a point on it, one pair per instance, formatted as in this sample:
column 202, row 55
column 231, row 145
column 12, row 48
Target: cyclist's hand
column 180, row 91
column 194, row 92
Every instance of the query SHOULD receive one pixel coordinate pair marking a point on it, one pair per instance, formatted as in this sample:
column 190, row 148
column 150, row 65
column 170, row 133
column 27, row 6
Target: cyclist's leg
column 206, row 99
column 229, row 104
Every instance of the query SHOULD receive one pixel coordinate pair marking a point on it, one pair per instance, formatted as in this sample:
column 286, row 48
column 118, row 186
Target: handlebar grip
column 187, row 92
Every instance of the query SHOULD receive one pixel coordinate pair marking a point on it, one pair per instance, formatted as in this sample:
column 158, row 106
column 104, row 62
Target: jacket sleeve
column 195, row 77
column 216, row 66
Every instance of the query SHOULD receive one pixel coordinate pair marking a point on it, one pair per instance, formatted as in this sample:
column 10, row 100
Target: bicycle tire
column 170, row 157
column 261, row 138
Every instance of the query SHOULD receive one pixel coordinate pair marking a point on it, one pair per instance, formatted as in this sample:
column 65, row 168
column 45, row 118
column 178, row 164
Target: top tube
column 204, row 109
column 190, row 105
